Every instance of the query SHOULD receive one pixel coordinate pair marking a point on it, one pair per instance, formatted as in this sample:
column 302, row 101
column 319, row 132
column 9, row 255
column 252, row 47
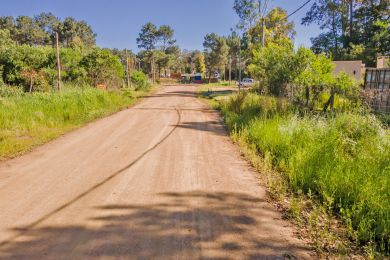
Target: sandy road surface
column 158, row 181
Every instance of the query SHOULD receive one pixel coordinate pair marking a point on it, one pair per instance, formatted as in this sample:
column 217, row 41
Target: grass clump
column 343, row 160
column 27, row 120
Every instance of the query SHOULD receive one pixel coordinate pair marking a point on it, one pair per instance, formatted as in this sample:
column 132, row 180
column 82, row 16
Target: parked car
column 246, row 83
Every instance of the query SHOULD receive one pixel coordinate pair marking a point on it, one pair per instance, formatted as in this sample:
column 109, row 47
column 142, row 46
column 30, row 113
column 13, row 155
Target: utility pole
column 262, row 32
column 230, row 70
column 239, row 74
column 58, row 64
column 127, row 70
column 153, row 75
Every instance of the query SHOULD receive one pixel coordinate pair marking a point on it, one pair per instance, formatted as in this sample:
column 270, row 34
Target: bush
column 140, row 81
column 343, row 159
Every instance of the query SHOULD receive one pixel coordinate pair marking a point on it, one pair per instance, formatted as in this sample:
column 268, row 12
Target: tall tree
column 200, row 65
column 216, row 52
column 277, row 28
column 352, row 28
column 249, row 12
column 148, row 37
column 165, row 34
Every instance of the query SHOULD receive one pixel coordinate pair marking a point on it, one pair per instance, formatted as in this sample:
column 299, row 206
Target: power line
column 298, row 9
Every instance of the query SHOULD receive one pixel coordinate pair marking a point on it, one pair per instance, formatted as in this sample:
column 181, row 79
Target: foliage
column 348, row 24
column 342, row 160
column 158, row 46
column 302, row 75
column 103, row 68
column 140, row 81
column 272, row 66
column 277, row 28
column 200, row 65
column 28, row 120
column 39, row 30
column 248, row 12
column 147, row 37
column 215, row 50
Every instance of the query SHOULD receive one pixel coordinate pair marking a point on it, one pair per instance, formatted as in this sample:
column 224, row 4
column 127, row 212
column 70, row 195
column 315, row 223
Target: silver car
column 246, row 83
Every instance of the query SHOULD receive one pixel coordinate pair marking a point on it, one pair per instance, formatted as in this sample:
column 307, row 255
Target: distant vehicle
column 246, row 83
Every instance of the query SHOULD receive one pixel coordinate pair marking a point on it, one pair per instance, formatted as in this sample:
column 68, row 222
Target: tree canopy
column 40, row 29
column 353, row 29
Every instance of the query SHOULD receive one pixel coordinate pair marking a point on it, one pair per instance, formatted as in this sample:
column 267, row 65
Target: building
column 382, row 62
column 354, row 68
column 377, row 89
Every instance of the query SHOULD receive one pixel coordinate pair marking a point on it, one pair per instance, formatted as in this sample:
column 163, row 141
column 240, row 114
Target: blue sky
column 117, row 22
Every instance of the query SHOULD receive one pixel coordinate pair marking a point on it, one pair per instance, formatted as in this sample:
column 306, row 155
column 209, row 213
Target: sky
column 118, row 22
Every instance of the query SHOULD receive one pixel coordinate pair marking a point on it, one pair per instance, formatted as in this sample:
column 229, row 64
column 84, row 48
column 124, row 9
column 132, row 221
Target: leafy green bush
column 103, row 68
column 343, row 159
column 302, row 75
column 140, row 80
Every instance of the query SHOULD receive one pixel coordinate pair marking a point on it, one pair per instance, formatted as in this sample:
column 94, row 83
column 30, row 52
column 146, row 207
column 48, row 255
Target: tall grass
column 343, row 159
column 27, row 120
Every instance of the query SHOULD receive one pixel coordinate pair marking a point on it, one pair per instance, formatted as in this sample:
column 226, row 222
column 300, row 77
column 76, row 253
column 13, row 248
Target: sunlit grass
column 343, row 159
column 27, row 120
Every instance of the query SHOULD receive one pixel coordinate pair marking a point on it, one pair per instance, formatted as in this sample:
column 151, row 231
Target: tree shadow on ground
column 175, row 94
column 187, row 225
column 214, row 127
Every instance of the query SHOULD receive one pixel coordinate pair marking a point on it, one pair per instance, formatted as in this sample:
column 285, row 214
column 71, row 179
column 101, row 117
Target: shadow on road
column 184, row 225
column 207, row 126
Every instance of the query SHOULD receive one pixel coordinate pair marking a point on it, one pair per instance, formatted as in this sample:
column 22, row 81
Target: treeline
column 234, row 51
column 28, row 57
column 266, row 52
column 41, row 29
column 353, row 29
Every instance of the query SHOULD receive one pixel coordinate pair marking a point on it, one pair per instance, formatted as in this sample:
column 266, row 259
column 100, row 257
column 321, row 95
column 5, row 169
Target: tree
column 234, row 44
column 200, row 65
column 103, row 68
column 76, row 32
column 272, row 66
column 49, row 24
column 148, row 37
column 216, row 51
column 40, row 30
column 277, row 28
column 165, row 34
column 249, row 11
column 350, row 25
column 28, row 32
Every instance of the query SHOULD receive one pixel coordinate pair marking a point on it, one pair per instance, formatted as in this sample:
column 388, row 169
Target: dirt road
column 158, row 181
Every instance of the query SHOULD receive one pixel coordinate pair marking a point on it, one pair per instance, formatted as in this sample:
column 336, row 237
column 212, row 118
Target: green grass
column 221, row 84
column 342, row 160
column 28, row 120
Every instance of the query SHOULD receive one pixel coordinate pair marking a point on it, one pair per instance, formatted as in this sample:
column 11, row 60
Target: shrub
column 343, row 159
column 140, row 81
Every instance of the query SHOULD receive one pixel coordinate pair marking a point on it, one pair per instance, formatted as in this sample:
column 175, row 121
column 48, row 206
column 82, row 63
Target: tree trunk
column 31, row 84
column 330, row 102
column 307, row 95
column 350, row 20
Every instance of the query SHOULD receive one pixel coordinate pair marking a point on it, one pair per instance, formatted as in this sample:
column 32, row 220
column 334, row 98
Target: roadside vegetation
column 340, row 160
column 27, row 120
column 323, row 154
column 32, row 108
